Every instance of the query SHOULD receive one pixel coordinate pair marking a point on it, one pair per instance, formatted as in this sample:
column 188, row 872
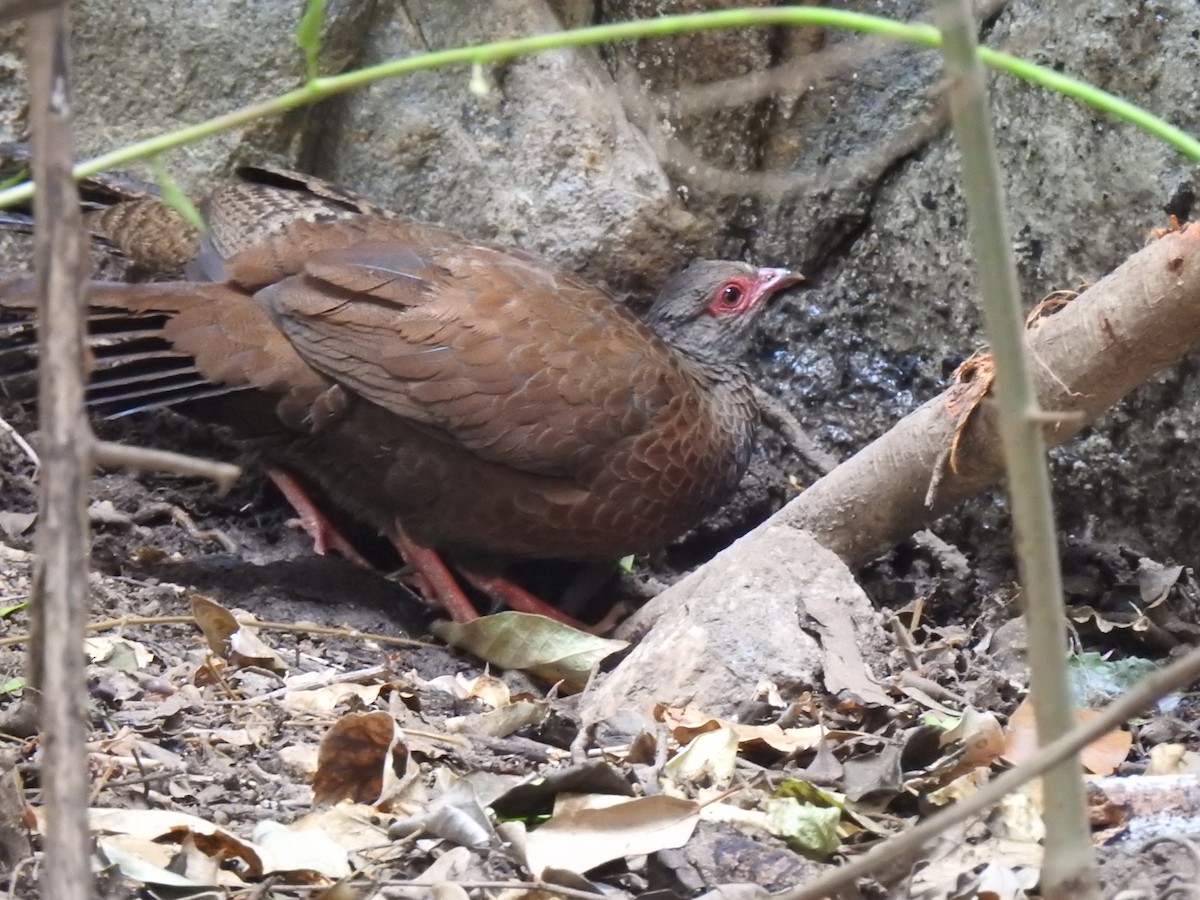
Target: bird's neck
column 728, row 389
column 716, row 371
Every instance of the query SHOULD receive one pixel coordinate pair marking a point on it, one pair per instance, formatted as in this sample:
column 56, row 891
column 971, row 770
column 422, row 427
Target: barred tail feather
column 149, row 345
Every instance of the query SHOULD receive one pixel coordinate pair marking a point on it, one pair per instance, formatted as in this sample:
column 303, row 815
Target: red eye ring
column 731, row 297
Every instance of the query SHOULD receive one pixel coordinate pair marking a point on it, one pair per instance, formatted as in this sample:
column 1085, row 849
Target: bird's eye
column 730, row 298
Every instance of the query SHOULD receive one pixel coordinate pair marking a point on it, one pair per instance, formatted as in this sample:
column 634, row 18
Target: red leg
column 445, row 589
column 325, row 535
column 516, row 597
column 438, row 579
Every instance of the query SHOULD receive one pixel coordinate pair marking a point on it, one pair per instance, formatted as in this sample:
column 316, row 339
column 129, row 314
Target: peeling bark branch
column 1109, row 340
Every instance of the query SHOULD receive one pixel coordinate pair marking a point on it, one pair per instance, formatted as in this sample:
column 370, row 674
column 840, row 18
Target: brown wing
column 516, row 362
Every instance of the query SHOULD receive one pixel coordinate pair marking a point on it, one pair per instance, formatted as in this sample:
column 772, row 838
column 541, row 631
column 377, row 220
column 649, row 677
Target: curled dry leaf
column 324, row 700
column 876, row 774
column 150, row 863
column 1155, row 581
column 960, row 788
column 501, row 722
column 356, row 756
column 710, row 756
column 488, row 689
column 118, row 652
column 457, row 815
column 981, row 736
column 245, row 736
column 1173, row 759
column 686, row 722
column 164, row 847
column 168, row 826
column 1084, row 614
column 215, row 622
column 306, row 854
column 439, row 881
column 538, row 791
column 230, row 639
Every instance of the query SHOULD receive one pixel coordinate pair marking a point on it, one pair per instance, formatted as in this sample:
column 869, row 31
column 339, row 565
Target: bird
column 467, row 400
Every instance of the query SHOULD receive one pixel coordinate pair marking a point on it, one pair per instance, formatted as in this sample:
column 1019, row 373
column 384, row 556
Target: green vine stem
column 320, row 88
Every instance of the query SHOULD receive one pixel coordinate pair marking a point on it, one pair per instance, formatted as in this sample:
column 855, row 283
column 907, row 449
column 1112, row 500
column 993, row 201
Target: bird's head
column 709, row 309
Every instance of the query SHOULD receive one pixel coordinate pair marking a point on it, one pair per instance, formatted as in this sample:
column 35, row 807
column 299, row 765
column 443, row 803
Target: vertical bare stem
column 60, row 581
column 1069, row 868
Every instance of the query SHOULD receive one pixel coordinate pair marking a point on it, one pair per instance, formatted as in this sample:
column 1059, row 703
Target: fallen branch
column 1108, row 341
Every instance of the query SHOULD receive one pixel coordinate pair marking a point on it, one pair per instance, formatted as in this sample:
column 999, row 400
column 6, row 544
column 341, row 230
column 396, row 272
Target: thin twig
column 180, row 517
column 350, row 634
column 1070, row 865
column 20, row 441
column 110, row 454
column 778, row 417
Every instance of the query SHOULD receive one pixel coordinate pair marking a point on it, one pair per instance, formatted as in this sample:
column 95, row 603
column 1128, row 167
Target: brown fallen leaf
column 230, row 639
column 686, row 722
column 1101, row 757
column 354, row 758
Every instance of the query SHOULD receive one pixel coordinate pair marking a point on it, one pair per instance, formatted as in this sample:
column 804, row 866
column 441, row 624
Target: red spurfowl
column 455, row 395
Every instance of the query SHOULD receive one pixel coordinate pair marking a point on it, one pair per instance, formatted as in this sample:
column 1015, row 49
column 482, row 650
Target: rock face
column 781, row 609
column 613, row 163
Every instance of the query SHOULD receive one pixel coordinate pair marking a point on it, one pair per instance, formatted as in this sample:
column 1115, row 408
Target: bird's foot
column 325, row 535
column 441, row 586
column 436, row 580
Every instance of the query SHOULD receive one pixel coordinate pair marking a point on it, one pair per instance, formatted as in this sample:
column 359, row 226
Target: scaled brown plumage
column 482, row 399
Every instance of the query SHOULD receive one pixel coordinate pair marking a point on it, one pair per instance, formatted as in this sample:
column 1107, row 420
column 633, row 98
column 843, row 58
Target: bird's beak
column 771, row 281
